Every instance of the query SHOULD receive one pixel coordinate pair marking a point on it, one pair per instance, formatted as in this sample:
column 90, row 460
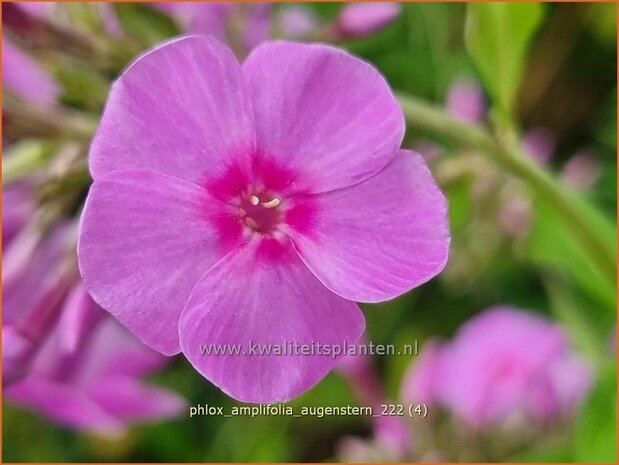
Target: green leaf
column 497, row 36
column 552, row 242
column 603, row 22
column 83, row 88
column 24, row 157
column 595, row 433
column 556, row 453
column 145, row 24
column 460, row 202
column 587, row 323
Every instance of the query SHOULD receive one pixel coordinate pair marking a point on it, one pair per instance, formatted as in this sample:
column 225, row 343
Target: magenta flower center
column 257, row 201
column 261, row 212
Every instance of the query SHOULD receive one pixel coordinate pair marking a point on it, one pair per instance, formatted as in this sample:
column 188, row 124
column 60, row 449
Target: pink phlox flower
column 254, row 204
column 94, row 383
column 504, row 363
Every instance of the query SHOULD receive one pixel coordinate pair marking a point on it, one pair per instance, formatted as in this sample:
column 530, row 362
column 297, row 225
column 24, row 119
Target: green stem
column 584, row 221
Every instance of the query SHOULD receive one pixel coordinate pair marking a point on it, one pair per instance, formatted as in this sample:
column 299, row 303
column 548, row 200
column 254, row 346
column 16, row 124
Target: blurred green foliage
column 498, row 37
column 595, row 433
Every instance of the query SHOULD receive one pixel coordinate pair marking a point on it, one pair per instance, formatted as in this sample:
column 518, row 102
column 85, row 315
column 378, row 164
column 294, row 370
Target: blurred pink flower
column 17, row 208
column 255, row 203
column 297, row 22
column 423, row 379
column 539, row 144
column 52, row 12
column 95, row 386
column 364, row 18
column 30, row 268
column 393, row 435
column 252, row 20
column 466, row 102
column 40, row 10
column 503, row 363
column 198, row 18
column 24, row 77
column 17, row 351
column 359, row 373
column 48, row 324
column 354, row 449
column 390, row 443
column 581, row 171
column 392, row 439
column 79, row 316
column 516, row 215
column 35, row 282
column 109, row 19
column 430, row 151
column 257, row 23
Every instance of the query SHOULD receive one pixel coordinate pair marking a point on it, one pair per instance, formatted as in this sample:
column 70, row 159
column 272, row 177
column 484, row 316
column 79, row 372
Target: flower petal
column 17, row 352
column 380, row 238
column 32, row 280
column 499, row 364
column 115, row 352
column 79, row 316
column 198, row 17
column 360, row 19
column 65, row 404
column 129, row 399
column 323, row 113
column 145, row 240
column 180, row 109
column 424, row 377
column 23, row 76
column 264, row 295
column 18, row 206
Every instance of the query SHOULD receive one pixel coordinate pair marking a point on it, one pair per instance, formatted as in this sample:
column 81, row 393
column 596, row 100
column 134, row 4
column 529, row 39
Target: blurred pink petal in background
column 24, row 77
column 96, row 386
column 297, row 21
column 423, row 380
column 362, row 19
column 17, row 208
column 392, row 438
column 539, row 144
column 216, row 19
column 465, row 101
column 516, row 215
column 581, row 171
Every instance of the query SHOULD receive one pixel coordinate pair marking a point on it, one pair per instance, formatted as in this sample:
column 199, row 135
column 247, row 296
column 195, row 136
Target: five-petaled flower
column 255, row 203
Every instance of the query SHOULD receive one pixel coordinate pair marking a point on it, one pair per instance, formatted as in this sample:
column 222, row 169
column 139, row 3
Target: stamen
column 242, row 212
column 254, row 200
column 271, row 203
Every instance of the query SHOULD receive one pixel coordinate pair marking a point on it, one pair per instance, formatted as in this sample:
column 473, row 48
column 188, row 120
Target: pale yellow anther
column 242, row 212
column 271, row 203
column 254, row 200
